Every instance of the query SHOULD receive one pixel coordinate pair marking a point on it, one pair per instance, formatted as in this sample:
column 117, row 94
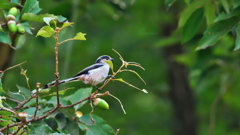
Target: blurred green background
column 190, row 92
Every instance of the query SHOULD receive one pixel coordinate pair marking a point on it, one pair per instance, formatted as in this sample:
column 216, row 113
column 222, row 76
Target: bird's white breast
column 97, row 75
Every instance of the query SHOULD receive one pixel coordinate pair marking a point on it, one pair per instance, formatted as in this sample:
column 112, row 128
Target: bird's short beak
column 112, row 59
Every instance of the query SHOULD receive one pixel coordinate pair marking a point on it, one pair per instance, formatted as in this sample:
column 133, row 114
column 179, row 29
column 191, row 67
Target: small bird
column 92, row 75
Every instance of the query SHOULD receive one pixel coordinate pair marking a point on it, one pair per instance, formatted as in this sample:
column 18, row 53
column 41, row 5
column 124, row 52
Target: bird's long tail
column 51, row 84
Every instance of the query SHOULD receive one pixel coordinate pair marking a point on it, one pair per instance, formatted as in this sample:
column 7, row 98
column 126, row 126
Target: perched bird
column 92, row 75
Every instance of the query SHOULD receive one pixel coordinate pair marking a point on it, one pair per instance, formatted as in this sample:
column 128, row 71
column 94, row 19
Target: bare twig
column 57, row 72
column 9, row 126
column 14, row 66
column 37, row 88
column 19, row 128
column 24, row 102
column 67, row 106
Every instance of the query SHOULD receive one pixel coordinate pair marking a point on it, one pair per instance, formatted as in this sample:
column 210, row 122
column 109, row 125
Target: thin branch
column 8, row 110
column 37, row 88
column 119, row 102
column 57, row 72
column 67, row 106
column 9, row 126
column 24, row 102
column 57, row 89
column 19, row 128
column 14, row 66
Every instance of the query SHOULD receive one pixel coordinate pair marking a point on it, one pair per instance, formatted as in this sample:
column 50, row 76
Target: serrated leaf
column 80, row 36
column 98, row 128
column 192, row 25
column 45, row 31
column 79, row 95
column 31, row 6
column 4, row 38
column 217, row 31
column 66, row 24
column 24, row 91
column 237, row 42
column 47, row 20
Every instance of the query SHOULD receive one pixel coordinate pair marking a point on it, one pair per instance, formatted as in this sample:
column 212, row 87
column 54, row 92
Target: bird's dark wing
column 85, row 71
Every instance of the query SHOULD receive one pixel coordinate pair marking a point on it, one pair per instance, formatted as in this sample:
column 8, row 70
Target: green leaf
column 61, row 18
column 98, row 128
column 236, row 3
column 31, row 6
column 80, row 94
column 235, row 12
column 66, row 24
column 5, row 4
column 187, row 12
column 168, row 3
column 1, row 30
column 4, row 38
column 45, row 31
column 209, row 11
column 217, row 31
column 61, row 120
column 80, row 36
column 237, row 42
column 47, row 20
column 192, row 25
column 225, row 5
column 38, row 18
column 40, row 128
column 168, row 41
column 16, row 95
column 24, row 91
column 71, row 127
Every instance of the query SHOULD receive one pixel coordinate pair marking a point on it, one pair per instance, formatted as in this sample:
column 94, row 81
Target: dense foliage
column 189, row 49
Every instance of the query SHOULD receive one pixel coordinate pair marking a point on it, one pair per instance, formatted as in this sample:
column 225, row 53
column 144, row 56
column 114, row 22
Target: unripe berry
column 13, row 11
column 101, row 103
column 20, row 29
column 12, row 26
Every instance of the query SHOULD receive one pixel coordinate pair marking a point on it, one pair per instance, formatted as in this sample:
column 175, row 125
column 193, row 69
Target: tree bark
column 180, row 94
column 6, row 53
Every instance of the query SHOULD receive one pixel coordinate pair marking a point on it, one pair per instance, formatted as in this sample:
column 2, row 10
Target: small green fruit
column 11, row 17
column 13, row 11
column 101, row 103
column 12, row 26
column 20, row 29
